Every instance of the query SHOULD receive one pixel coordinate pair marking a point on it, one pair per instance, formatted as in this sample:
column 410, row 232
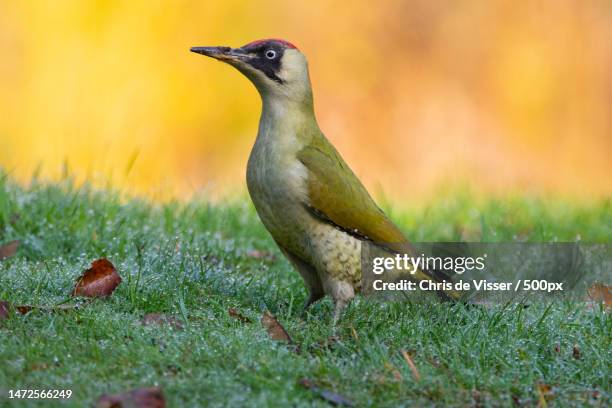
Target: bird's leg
column 342, row 293
column 339, row 306
column 309, row 274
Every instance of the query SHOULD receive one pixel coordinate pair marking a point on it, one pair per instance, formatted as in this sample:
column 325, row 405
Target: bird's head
column 276, row 67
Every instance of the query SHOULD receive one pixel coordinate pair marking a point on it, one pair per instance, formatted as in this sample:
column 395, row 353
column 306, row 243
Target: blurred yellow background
column 502, row 95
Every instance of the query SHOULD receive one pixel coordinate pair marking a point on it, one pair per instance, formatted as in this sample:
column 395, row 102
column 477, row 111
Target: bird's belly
column 336, row 254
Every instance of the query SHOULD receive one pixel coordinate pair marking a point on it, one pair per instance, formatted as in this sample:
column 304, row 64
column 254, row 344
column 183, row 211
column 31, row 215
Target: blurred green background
column 501, row 95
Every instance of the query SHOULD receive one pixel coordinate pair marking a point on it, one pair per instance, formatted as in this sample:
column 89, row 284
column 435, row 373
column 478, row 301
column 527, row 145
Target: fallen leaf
column 161, row 319
column 237, row 315
column 24, row 309
column 576, row 352
column 276, row 331
column 8, row 250
column 140, row 398
column 329, row 396
column 98, row 281
column 257, row 254
column 413, row 368
column 600, row 293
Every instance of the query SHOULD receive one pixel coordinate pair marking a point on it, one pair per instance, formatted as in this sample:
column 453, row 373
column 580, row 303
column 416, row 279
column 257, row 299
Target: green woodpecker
column 313, row 205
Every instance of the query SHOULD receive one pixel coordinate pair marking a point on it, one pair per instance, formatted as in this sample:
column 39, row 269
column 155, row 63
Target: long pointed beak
column 220, row 53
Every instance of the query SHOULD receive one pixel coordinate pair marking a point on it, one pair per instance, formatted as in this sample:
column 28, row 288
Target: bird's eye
column 270, row 54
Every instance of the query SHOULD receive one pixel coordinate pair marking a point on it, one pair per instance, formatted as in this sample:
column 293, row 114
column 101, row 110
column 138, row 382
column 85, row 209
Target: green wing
column 337, row 196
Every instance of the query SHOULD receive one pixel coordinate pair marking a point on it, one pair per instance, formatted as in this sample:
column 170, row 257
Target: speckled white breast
column 336, row 252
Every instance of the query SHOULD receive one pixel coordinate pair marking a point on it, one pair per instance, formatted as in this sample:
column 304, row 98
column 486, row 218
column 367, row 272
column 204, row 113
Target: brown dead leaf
column 413, row 368
column 239, row 316
column 24, row 309
column 9, row 249
column 265, row 255
column 276, row 331
column 98, row 281
column 140, row 398
column 329, row 396
column 600, row 293
column 159, row 319
column 576, row 352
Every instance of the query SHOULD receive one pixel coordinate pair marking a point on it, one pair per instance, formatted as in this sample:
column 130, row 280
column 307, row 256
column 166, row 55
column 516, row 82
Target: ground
column 197, row 260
